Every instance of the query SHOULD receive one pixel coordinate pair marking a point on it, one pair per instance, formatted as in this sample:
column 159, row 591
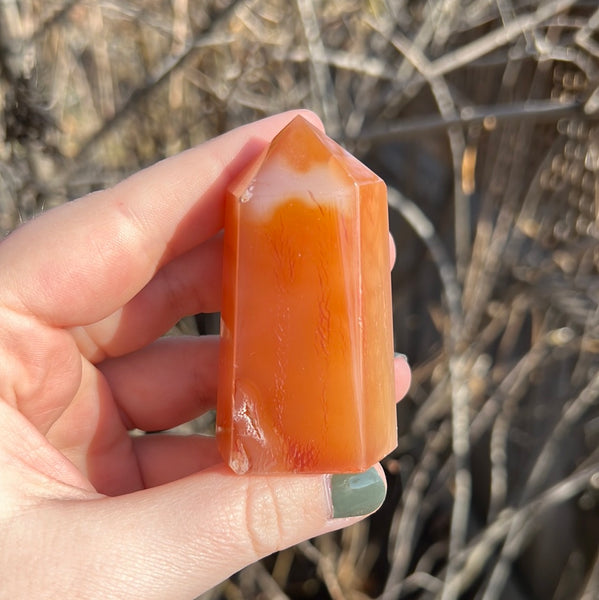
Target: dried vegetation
column 482, row 116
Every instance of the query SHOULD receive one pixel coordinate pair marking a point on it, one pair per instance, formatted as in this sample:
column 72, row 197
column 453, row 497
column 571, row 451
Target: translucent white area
column 275, row 183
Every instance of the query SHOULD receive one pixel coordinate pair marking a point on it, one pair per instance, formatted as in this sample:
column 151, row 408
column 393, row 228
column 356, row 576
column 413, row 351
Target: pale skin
column 86, row 291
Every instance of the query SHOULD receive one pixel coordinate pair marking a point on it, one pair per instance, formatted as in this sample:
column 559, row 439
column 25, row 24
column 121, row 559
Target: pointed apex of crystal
column 303, row 147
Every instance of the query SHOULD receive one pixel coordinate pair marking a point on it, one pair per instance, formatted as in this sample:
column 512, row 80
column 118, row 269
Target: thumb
column 180, row 539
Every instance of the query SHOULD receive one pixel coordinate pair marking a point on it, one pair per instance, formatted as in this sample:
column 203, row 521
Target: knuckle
column 263, row 518
column 171, row 288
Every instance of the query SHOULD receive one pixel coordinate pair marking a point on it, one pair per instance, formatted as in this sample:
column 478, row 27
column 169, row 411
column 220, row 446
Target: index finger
column 80, row 262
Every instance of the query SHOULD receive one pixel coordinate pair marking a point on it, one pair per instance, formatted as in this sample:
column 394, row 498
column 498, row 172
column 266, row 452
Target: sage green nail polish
column 357, row 494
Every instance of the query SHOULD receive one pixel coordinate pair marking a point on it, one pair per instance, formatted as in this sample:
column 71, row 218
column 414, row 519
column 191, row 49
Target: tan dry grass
column 482, row 117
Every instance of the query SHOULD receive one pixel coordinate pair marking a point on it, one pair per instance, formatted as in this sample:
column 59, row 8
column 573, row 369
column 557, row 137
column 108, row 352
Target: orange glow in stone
column 306, row 379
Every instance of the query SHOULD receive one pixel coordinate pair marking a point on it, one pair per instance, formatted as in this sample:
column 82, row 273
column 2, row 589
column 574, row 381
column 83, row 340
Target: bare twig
column 497, row 38
column 327, row 568
column 426, row 231
column 573, row 413
column 517, row 533
column 591, row 589
column 266, row 582
column 539, row 111
column 475, row 556
column 212, row 38
column 406, row 522
column 459, row 390
column 324, row 89
column 460, row 393
column 448, row 111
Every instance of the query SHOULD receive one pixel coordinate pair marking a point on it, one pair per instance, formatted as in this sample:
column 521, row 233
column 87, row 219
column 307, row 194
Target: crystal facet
column 306, row 367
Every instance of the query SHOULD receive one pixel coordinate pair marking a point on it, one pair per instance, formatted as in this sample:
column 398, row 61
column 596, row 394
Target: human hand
column 86, row 291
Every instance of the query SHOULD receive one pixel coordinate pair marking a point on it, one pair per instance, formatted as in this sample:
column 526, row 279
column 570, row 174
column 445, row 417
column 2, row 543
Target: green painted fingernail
column 357, row 494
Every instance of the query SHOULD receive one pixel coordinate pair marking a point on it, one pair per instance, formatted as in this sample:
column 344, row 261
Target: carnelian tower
column 306, row 366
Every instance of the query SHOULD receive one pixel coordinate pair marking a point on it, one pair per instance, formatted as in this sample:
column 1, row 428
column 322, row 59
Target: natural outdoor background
column 483, row 118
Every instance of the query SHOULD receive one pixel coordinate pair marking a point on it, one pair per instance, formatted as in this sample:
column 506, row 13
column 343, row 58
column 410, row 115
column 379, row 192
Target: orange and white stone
column 306, row 367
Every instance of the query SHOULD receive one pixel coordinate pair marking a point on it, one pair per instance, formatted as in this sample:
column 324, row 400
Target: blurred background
column 483, row 118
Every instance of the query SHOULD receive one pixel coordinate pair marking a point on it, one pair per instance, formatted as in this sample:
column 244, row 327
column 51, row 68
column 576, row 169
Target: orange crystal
column 306, row 366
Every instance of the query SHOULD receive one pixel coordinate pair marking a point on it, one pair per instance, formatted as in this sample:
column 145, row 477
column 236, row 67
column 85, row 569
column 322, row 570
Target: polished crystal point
column 306, row 366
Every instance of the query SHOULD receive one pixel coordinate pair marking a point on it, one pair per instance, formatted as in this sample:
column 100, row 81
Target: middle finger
column 165, row 384
column 189, row 284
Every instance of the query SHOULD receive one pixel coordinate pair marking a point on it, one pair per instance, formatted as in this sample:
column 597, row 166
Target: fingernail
column 357, row 494
column 402, row 356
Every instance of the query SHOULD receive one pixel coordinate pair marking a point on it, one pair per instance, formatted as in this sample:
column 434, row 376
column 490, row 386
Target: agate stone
column 306, row 365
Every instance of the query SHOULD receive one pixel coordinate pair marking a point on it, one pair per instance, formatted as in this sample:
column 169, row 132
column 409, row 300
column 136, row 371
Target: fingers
column 403, row 376
column 178, row 540
column 190, row 284
column 111, row 243
column 142, row 385
column 164, row 458
column 165, row 384
column 174, row 380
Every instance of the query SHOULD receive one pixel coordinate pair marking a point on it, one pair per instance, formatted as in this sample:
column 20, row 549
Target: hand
column 86, row 291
